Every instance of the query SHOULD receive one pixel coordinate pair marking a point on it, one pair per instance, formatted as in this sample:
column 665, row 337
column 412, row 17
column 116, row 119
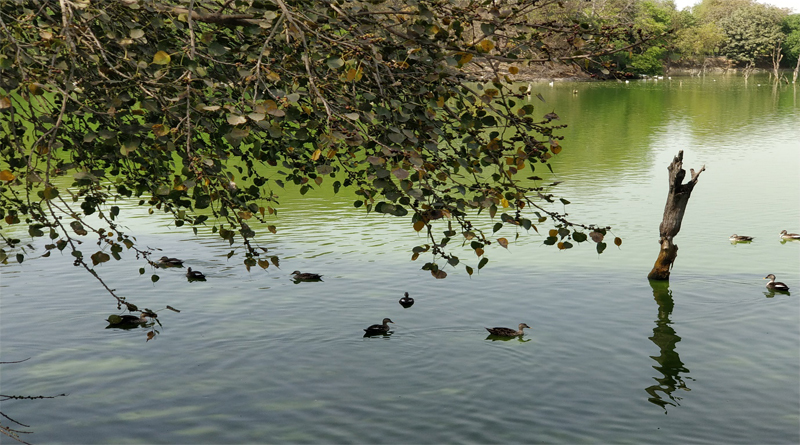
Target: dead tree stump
column 677, row 199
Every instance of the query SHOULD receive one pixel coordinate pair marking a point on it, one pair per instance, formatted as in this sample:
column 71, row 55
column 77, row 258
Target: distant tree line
column 746, row 33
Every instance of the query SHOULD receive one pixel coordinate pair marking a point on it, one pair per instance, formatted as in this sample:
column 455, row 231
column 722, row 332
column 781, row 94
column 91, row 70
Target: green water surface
column 255, row 358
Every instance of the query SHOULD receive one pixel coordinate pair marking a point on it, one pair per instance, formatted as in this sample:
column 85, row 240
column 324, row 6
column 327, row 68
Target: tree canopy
column 204, row 109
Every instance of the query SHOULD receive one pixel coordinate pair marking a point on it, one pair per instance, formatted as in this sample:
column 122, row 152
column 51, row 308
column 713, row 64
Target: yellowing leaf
column 465, row 59
column 316, row 154
column 5, row 102
column 272, row 229
column 479, row 252
column 161, row 58
column 504, row 203
column 6, row 175
column 273, row 76
column 100, row 257
column 51, row 193
column 486, row 46
column 618, row 241
column 160, row 130
column 235, row 119
column 513, row 70
column 35, row 89
column 553, row 232
column 419, row 225
column 503, row 242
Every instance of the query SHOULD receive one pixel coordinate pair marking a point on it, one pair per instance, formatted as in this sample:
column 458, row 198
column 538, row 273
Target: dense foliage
column 204, row 110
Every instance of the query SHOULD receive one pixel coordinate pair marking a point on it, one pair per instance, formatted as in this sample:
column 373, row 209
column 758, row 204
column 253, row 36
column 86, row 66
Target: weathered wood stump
column 674, row 210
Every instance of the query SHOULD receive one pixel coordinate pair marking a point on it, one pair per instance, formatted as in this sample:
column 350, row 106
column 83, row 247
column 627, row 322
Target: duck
column 126, row 320
column 406, row 301
column 170, row 262
column 379, row 328
column 508, row 332
column 740, row 238
column 775, row 285
column 195, row 275
column 785, row 235
column 306, row 276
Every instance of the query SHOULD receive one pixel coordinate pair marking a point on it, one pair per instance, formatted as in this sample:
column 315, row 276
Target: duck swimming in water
column 785, row 235
column 775, row 285
column 170, row 262
column 508, row 332
column 126, row 321
column 740, row 238
column 195, row 275
column 306, row 276
column 406, row 301
column 379, row 328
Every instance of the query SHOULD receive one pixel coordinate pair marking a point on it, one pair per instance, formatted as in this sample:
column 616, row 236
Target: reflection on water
column 669, row 361
column 770, row 293
column 499, row 338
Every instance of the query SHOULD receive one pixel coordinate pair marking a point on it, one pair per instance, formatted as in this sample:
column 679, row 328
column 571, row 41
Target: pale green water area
column 256, row 358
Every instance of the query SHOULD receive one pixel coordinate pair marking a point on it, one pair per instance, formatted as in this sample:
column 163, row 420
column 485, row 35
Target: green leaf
column 129, row 146
column 335, row 63
column 217, row 49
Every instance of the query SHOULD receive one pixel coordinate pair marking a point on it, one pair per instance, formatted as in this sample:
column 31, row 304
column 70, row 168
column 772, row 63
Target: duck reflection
column 769, row 293
column 669, row 363
column 501, row 338
column 386, row 334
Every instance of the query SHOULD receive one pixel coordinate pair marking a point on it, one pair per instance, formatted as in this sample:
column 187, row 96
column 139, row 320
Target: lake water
column 253, row 357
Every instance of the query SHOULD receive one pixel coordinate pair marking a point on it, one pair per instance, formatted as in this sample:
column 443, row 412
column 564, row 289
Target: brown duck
column 508, row 332
column 775, row 285
column 379, row 328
